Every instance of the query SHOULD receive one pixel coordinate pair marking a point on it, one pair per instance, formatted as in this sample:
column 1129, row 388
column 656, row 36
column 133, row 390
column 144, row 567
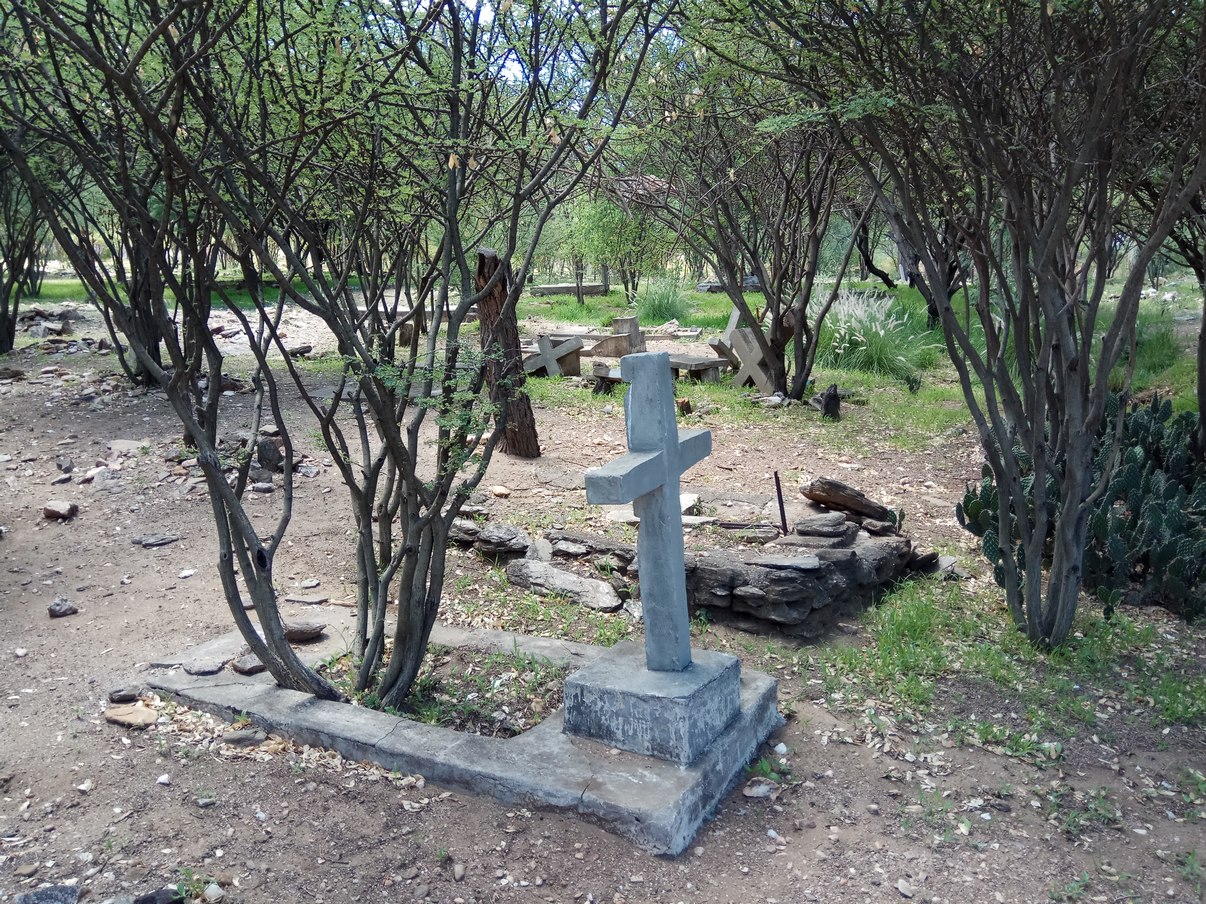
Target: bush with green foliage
column 663, row 301
column 869, row 332
column 1147, row 528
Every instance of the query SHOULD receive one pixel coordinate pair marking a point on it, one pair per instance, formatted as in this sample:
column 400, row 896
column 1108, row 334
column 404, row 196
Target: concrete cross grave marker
column 753, row 364
column 723, row 344
column 555, row 360
column 664, row 701
column 648, row 477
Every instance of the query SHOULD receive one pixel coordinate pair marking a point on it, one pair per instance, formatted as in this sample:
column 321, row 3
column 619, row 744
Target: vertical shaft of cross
column 652, row 427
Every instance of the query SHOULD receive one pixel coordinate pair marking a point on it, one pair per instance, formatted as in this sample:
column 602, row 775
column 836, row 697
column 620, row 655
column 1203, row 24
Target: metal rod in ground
column 782, row 511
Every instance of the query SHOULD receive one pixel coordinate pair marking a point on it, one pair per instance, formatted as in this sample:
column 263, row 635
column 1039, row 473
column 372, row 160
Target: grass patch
column 1077, row 812
column 1190, row 867
column 62, row 289
column 905, row 654
column 663, row 301
column 710, row 403
column 474, row 599
column 595, row 310
column 1164, row 361
column 56, row 290
column 1072, row 890
column 241, row 298
column 328, row 364
column 712, row 310
column 492, row 694
column 891, row 415
column 878, row 334
column 930, row 636
column 709, row 311
column 568, row 394
column 909, row 421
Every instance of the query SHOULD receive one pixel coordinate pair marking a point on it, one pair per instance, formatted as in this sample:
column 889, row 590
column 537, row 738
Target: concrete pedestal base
column 669, row 715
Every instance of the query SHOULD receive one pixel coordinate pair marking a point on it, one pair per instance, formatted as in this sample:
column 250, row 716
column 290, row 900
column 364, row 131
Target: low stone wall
column 827, row 569
column 799, row 591
column 796, row 587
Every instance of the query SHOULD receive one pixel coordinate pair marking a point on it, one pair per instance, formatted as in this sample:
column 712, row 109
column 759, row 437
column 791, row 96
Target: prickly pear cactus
column 1147, row 530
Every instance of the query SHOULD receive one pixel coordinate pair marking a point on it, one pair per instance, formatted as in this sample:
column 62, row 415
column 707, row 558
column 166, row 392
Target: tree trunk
column 777, row 339
column 8, row 332
column 504, row 360
column 10, row 297
column 136, row 319
column 605, row 274
column 1071, row 528
column 868, row 262
column 578, row 267
column 1201, row 450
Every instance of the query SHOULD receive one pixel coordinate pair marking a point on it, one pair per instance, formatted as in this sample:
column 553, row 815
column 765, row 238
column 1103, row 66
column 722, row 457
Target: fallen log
column 836, row 495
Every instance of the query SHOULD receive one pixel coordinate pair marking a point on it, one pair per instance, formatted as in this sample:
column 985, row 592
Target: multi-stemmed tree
column 1010, row 131
column 356, row 155
column 22, row 230
column 751, row 184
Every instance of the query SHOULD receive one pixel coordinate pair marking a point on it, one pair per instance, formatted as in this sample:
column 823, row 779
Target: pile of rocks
column 42, row 322
column 835, row 561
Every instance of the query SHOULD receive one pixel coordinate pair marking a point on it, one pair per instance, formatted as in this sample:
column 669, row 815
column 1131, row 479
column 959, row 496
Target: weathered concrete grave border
column 657, row 804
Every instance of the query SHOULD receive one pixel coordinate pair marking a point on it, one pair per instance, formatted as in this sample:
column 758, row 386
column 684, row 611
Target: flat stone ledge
column 657, row 804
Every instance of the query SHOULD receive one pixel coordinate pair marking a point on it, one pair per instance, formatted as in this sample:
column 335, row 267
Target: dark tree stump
column 504, row 360
column 831, row 404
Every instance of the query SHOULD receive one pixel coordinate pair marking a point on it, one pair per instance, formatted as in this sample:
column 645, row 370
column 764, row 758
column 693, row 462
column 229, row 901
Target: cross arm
column 625, row 478
column 693, row 447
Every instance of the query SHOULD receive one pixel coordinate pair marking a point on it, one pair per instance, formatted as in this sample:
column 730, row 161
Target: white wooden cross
column 648, row 478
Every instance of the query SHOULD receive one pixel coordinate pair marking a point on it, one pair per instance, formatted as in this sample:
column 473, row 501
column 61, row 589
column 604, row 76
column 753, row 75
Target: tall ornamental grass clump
column 874, row 334
column 663, row 301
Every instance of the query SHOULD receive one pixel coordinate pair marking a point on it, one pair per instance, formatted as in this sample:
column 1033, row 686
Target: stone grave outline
column 697, row 725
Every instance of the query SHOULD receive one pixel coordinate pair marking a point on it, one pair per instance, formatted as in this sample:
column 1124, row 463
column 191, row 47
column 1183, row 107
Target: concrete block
column 673, row 716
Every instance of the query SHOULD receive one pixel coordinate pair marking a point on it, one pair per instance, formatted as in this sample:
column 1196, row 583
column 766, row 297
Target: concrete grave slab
column 688, row 503
column 656, row 803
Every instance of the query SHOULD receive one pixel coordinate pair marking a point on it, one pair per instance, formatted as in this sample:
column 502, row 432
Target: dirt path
column 862, row 816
